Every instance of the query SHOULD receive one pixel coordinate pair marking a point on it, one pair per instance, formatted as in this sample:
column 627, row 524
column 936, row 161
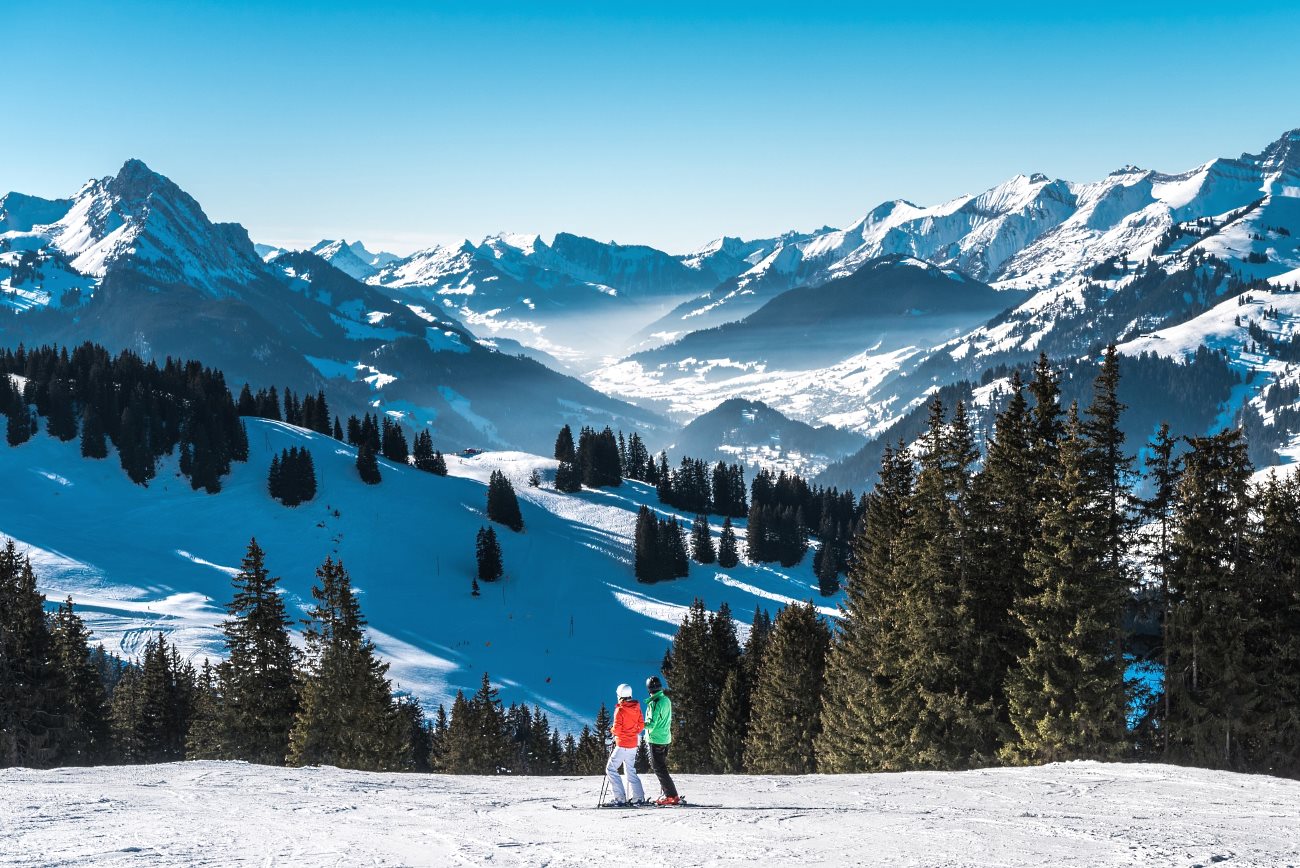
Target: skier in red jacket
column 628, row 724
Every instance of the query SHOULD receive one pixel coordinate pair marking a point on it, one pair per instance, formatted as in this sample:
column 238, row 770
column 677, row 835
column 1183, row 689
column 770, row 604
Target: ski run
column 217, row 814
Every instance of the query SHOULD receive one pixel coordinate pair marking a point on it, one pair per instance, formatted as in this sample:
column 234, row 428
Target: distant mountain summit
column 132, row 262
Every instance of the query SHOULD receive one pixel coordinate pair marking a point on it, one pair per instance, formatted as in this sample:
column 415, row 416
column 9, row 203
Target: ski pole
column 604, row 781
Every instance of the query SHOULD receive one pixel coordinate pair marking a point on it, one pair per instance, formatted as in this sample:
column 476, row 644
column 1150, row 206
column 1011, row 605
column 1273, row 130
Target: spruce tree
column 476, row 742
column 701, row 542
column 206, row 739
column 564, row 449
column 1006, row 520
column 487, row 554
column 88, row 739
column 368, row 464
column 258, row 702
column 646, row 563
column 786, row 706
column 860, row 729
column 947, row 724
column 33, row 698
column 728, row 554
column 696, row 686
column 1274, row 648
column 1214, row 691
column 93, row 444
column 1067, row 696
column 1163, row 472
column 502, row 504
column 730, row 726
column 346, row 716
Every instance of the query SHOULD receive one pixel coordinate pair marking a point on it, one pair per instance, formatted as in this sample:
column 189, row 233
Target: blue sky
column 404, row 124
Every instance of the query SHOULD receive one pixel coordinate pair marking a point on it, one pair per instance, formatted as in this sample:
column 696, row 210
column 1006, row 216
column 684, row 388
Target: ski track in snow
column 218, row 814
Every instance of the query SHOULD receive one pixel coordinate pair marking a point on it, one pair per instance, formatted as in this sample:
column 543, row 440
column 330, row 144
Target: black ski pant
column 659, row 764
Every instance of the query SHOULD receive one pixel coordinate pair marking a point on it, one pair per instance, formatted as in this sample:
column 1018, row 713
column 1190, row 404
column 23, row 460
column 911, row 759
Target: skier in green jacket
column 658, row 733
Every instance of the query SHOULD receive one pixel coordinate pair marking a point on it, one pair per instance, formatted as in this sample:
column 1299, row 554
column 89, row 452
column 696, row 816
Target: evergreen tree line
column 311, row 412
column 986, row 618
column 292, row 477
column 596, row 461
column 659, row 548
column 143, row 410
column 53, row 689
column 425, row 457
column 753, row 709
column 784, row 510
column 991, row 612
column 695, row 487
column 63, row 704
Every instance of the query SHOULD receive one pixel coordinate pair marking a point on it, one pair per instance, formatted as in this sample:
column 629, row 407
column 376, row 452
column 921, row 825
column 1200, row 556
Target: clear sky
column 410, row 123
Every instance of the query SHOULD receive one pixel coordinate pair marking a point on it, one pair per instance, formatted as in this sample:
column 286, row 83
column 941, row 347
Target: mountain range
column 850, row 327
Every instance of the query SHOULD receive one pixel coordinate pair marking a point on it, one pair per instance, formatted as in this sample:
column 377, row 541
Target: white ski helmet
column 624, row 691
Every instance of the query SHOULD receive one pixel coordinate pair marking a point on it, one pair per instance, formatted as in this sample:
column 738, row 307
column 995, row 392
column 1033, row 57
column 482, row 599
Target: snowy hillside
column 566, row 624
column 1075, row 814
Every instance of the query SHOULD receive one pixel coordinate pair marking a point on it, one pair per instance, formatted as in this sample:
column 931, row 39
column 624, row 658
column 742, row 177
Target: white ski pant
column 625, row 757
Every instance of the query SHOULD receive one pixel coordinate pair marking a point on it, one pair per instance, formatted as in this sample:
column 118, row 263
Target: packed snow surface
column 236, row 814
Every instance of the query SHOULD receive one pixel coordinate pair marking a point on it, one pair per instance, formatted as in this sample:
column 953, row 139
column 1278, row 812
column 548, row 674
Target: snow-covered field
column 236, row 814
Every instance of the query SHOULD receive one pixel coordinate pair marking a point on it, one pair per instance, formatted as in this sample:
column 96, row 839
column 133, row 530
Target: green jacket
column 659, row 718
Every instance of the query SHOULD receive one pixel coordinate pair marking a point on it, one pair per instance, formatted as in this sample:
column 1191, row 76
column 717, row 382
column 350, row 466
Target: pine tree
column 567, row 478
column 205, row 739
column 1163, row 471
column 1214, row 692
column 87, row 739
column 368, row 464
column 728, row 555
column 1067, row 696
column 346, row 715
column 1006, row 520
column 701, row 542
column 33, row 700
column 1274, row 648
column 786, row 706
column 152, row 706
column 487, row 553
column 564, row 450
column 502, row 504
column 476, row 742
column 949, row 726
column 693, row 677
column 258, row 702
column 646, row 562
column 20, row 425
column 93, row 444
column 860, row 727
column 730, row 726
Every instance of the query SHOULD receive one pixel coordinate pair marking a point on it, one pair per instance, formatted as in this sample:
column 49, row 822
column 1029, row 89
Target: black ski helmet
column 653, row 684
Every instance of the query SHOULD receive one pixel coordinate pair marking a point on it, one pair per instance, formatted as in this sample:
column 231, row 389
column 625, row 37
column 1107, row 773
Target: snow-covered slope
column 568, row 622
column 1075, row 814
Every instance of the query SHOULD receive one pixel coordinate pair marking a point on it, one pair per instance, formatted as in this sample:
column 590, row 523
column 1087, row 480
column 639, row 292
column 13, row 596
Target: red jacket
column 628, row 722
